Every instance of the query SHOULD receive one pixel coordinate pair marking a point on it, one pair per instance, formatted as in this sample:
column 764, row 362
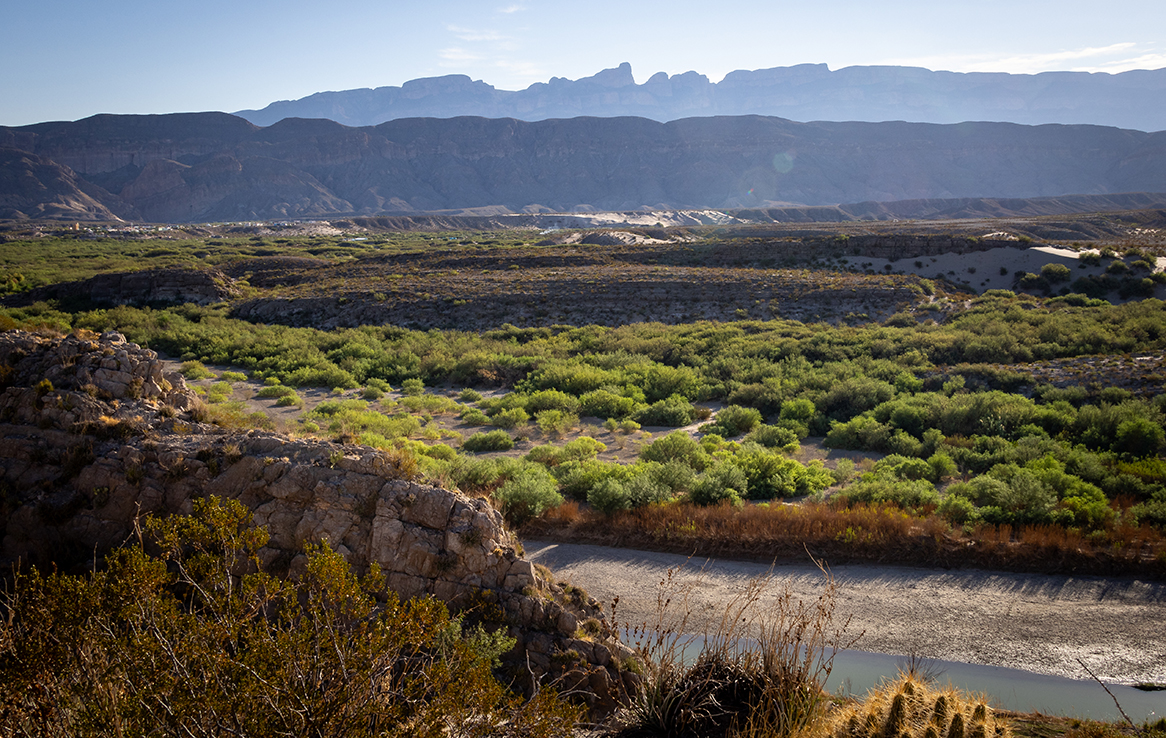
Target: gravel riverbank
column 1033, row 622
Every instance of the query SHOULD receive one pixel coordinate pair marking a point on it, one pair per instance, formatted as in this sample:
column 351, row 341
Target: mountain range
column 201, row 167
column 806, row 92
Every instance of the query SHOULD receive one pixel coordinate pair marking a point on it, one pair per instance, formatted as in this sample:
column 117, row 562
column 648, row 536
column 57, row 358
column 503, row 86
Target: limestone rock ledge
column 94, row 433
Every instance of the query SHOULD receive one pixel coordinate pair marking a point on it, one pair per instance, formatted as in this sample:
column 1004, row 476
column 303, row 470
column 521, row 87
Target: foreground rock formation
column 94, row 433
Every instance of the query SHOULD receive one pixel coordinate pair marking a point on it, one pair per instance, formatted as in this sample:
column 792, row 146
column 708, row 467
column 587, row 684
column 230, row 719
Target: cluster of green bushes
column 891, row 388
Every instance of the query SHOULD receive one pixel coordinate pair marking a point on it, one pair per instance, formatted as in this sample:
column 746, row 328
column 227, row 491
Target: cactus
column 956, row 729
column 896, row 717
column 980, row 714
column 939, row 714
column 908, row 708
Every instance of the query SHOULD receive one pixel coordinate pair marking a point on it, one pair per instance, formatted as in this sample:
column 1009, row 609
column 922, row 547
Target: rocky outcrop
column 147, row 287
column 94, row 434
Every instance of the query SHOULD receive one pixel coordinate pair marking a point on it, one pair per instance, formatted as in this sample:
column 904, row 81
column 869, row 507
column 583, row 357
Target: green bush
column 726, row 482
column 412, row 387
column 498, row 440
column 609, row 496
column 734, row 420
column 772, row 436
column 510, row 418
column 677, row 446
column 602, row 403
column 674, row 412
column 194, row 370
column 528, row 494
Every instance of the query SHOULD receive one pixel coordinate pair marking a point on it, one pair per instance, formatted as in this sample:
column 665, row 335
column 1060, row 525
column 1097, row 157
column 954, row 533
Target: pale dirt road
column 1024, row 621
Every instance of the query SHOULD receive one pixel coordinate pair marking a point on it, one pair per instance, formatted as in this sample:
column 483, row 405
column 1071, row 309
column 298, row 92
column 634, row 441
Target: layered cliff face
column 802, row 92
column 94, row 433
column 300, row 168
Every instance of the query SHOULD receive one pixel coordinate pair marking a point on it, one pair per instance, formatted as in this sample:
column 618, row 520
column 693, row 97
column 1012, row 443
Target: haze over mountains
column 639, row 147
column 806, row 92
column 216, row 167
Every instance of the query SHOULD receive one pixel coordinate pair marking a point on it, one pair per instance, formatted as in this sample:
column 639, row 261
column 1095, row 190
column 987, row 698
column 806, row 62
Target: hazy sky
column 68, row 59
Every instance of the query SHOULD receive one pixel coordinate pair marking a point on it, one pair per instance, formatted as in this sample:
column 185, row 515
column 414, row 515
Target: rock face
column 802, row 92
column 94, row 433
column 299, row 168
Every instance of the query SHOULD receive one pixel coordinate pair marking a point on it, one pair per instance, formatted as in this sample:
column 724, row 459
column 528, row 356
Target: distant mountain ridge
column 806, row 92
column 201, row 167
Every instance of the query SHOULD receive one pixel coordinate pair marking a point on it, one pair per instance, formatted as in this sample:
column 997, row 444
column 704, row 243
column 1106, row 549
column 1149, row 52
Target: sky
column 69, row 59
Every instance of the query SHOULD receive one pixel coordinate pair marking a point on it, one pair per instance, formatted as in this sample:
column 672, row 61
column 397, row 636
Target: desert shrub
column 772, row 436
column 510, row 418
column 734, row 420
column 1056, row 273
column 498, row 440
column 603, row 403
column 676, row 476
column 469, row 395
column 861, row 433
column 197, row 639
column 555, row 422
column 765, row 397
column 412, row 387
column 725, row 482
column 552, row 400
column 580, row 449
column 674, row 412
column 609, row 496
column 195, row 370
column 1139, row 437
column 909, row 495
column 474, row 416
column 233, row 377
column 577, row 478
column 372, row 393
column 676, row 446
column 957, row 510
column 528, row 494
column 378, row 384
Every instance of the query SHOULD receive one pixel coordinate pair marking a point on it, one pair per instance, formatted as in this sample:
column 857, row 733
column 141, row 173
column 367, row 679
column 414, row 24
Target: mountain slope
column 806, row 92
column 174, row 169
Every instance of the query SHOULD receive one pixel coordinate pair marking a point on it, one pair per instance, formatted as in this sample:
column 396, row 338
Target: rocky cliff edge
column 94, row 433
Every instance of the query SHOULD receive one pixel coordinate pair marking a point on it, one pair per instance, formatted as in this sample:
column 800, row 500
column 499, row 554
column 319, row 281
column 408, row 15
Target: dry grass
column 863, row 533
column 756, row 667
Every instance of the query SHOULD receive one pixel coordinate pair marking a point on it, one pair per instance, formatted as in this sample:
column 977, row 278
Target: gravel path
column 1024, row 621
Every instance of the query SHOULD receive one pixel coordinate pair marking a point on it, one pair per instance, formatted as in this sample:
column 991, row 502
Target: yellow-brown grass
column 872, row 533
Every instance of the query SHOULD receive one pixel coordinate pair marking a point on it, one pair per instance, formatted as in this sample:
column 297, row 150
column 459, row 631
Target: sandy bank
column 1023, row 621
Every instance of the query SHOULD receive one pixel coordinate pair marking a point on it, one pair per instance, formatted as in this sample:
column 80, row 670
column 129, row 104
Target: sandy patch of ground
column 1031, row 622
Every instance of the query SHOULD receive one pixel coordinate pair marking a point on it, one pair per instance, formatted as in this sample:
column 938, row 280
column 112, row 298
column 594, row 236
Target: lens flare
column 784, row 162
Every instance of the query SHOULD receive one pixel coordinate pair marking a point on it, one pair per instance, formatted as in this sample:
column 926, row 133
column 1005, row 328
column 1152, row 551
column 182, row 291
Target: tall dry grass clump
column 910, row 707
column 754, row 668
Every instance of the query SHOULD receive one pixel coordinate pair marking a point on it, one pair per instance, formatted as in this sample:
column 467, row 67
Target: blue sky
column 68, row 59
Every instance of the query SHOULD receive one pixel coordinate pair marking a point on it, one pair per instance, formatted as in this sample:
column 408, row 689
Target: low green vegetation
column 1010, row 411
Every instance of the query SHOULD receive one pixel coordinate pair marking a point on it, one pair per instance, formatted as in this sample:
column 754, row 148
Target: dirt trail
column 1023, row 621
